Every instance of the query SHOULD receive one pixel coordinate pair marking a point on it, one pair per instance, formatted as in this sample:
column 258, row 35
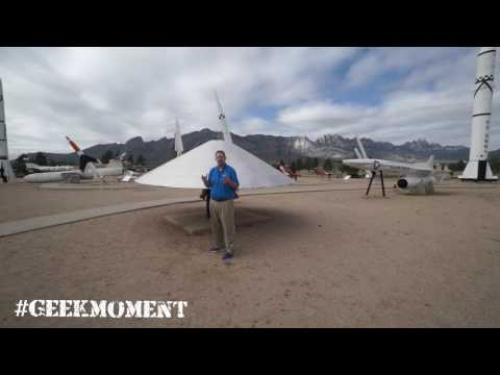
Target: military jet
column 89, row 168
column 414, row 178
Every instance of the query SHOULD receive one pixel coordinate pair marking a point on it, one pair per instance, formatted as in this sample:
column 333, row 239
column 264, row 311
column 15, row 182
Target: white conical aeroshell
column 185, row 171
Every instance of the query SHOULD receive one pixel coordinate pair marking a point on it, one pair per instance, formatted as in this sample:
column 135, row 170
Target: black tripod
column 205, row 195
column 374, row 173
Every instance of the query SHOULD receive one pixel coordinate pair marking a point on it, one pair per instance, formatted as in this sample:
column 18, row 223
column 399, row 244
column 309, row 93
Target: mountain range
column 274, row 148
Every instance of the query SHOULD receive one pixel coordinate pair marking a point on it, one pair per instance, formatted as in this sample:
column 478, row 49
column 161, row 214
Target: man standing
column 223, row 183
column 2, row 174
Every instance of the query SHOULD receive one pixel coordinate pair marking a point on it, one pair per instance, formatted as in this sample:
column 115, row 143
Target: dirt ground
column 21, row 200
column 325, row 259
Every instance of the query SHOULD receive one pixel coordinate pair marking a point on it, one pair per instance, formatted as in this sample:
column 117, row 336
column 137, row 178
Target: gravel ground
column 325, row 259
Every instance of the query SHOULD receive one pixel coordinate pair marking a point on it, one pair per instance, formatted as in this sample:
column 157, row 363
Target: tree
column 348, row 170
column 327, row 165
column 300, row 164
column 336, row 165
column 315, row 163
column 141, row 160
column 130, row 159
column 459, row 166
column 107, row 156
column 40, row 158
column 19, row 166
column 308, row 164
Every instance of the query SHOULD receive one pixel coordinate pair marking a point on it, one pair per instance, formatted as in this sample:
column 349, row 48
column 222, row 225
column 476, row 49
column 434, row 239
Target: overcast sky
column 100, row 95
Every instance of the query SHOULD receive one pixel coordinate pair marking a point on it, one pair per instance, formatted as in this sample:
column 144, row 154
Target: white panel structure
column 478, row 168
column 361, row 148
column 179, row 146
column 222, row 119
column 4, row 152
column 186, row 170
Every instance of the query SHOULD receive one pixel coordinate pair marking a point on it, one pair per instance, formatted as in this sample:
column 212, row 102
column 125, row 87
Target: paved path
column 41, row 222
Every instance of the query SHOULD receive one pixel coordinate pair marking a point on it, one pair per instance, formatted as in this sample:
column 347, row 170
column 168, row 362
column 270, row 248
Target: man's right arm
column 206, row 180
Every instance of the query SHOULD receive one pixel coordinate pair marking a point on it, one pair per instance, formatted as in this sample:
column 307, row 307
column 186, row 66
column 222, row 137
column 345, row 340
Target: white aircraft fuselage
column 414, row 177
column 46, row 168
column 89, row 168
column 85, row 175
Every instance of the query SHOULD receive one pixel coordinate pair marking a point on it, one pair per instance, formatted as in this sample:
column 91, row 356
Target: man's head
column 220, row 158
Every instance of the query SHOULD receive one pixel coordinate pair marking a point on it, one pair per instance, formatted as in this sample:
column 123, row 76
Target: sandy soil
column 326, row 259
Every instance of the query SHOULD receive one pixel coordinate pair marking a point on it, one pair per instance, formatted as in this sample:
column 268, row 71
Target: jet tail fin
column 74, row 146
column 87, row 163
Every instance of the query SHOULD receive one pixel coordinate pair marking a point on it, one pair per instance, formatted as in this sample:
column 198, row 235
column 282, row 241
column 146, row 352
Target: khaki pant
column 222, row 224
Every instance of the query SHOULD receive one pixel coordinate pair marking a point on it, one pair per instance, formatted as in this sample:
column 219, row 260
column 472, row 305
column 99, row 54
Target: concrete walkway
column 40, row 222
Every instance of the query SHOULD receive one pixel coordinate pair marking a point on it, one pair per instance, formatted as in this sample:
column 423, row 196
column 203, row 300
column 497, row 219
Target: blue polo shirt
column 219, row 191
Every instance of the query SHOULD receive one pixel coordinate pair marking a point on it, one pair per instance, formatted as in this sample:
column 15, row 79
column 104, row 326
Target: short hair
column 220, row 152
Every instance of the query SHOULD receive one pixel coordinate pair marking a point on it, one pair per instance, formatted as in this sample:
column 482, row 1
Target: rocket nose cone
column 351, row 161
column 29, row 178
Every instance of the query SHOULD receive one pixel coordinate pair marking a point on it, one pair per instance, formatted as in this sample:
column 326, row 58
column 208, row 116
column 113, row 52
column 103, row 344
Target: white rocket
column 478, row 168
column 5, row 167
column 179, row 147
column 222, row 119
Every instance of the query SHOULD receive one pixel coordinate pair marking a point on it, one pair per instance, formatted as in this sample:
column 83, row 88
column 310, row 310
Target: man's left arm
column 233, row 180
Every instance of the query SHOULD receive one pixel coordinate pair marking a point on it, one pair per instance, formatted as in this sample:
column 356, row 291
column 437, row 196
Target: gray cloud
column 101, row 95
column 432, row 100
column 111, row 94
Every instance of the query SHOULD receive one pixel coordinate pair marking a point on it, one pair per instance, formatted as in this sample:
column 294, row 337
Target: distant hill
column 274, row 148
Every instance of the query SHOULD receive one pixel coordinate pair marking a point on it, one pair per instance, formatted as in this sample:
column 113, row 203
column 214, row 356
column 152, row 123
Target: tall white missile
column 222, row 119
column 5, row 168
column 478, row 168
column 179, row 147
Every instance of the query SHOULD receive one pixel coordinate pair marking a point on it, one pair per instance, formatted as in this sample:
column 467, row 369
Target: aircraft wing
column 401, row 168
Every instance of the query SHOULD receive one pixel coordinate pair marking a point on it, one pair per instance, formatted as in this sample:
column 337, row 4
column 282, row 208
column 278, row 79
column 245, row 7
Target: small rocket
column 222, row 119
column 478, row 168
column 179, row 147
column 6, row 171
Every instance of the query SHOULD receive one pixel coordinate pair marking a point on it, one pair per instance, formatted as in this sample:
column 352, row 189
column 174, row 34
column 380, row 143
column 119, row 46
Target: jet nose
column 352, row 162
